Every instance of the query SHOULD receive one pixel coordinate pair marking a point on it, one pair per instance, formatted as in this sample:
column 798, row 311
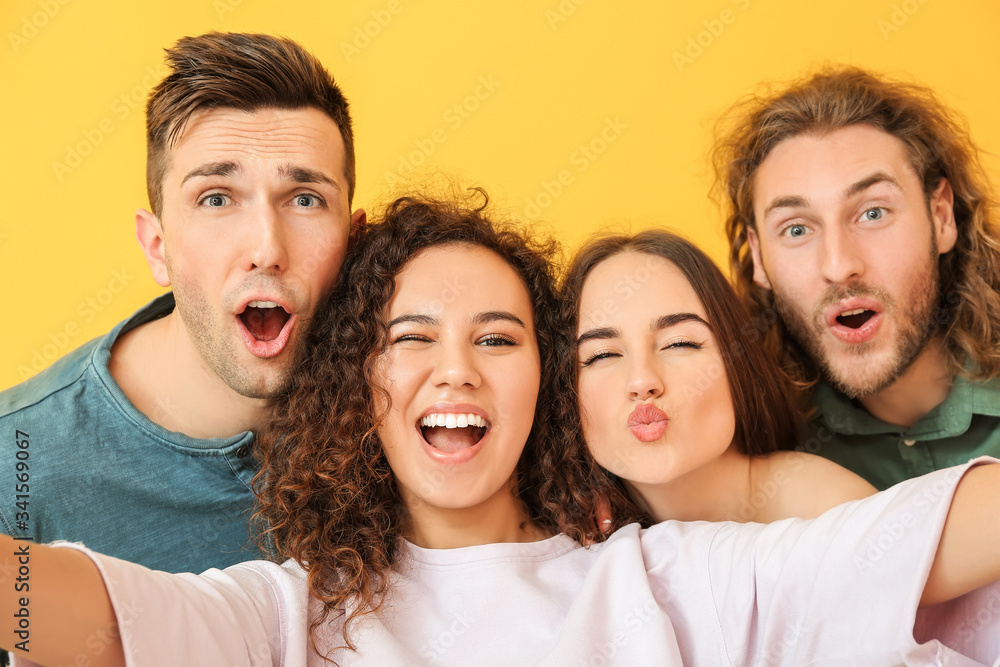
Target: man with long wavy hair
column 858, row 218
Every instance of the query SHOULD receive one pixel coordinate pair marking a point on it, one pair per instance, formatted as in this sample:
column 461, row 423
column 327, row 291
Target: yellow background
column 74, row 74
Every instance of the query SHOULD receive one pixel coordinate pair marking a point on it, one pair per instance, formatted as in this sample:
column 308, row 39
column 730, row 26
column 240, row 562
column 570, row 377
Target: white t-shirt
column 841, row 589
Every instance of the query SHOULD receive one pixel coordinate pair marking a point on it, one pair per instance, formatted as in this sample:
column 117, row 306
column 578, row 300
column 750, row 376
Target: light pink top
column 841, row 589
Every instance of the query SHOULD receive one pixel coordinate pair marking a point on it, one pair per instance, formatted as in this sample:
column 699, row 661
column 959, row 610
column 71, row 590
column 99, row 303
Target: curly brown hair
column 766, row 419
column 939, row 147
column 327, row 496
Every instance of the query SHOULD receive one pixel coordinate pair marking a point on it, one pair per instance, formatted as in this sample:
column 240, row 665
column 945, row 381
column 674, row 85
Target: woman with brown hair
column 683, row 414
column 415, row 486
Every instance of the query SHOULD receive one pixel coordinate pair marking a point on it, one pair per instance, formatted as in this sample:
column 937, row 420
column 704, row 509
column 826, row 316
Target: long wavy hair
column 327, row 496
column 939, row 146
column 766, row 418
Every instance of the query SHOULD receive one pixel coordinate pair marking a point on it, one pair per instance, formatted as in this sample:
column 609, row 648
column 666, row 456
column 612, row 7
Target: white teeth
column 856, row 311
column 262, row 304
column 453, row 420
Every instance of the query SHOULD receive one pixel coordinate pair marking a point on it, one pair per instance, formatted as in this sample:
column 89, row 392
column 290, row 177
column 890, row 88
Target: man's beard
column 915, row 323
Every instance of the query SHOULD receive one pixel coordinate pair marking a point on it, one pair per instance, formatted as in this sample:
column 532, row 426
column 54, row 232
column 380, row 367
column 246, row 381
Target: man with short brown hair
column 140, row 441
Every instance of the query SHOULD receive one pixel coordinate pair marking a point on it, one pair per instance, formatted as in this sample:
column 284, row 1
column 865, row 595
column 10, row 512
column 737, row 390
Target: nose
column 267, row 243
column 841, row 261
column 455, row 366
column 644, row 380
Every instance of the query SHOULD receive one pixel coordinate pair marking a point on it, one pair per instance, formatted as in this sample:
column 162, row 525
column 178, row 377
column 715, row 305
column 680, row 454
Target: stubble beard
column 221, row 353
column 867, row 375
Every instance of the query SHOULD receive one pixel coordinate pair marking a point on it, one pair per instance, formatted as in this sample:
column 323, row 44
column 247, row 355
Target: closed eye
column 690, row 344
column 410, row 338
column 597, row 356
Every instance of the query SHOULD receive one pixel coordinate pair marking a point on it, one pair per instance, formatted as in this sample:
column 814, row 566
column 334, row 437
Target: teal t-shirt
column 93, row 469
column 965, row 425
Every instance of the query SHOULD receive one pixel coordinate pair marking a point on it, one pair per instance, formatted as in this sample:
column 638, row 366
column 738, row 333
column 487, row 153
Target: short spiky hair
column 939, row 147
column 239, row 71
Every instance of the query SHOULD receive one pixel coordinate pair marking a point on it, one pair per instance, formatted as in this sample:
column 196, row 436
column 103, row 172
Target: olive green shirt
column 964, row 426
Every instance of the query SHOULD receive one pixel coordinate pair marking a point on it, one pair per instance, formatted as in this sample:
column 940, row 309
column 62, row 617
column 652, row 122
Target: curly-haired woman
column 415, row 483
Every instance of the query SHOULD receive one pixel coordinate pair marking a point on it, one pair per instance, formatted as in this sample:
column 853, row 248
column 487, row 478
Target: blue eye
column 873, row 214
column 215, row 200
column 796, row 231
column 308, row 201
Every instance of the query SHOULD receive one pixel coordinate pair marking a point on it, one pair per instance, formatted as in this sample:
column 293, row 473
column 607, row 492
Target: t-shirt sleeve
column 251, row 614
column 842, row 588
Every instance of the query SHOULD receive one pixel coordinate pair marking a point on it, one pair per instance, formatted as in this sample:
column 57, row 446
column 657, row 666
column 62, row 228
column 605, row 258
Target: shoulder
column 799, row 484
column 64, row 373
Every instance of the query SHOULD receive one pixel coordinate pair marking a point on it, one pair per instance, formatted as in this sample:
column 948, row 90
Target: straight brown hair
column 766, row 419
column 239, row 71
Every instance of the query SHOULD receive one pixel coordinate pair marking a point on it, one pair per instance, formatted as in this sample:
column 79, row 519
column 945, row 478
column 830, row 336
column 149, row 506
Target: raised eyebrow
column 674, row 319
column 602, row 333
column 225, row 168
column 305, row 175
column 868, row 181
column 790, row 201
column 498, row 315
column 415, row 319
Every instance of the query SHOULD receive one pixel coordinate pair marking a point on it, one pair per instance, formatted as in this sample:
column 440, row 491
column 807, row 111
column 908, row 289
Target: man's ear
column 942, row 209
column 759, row 275
column 149, row 232
column 358, row 221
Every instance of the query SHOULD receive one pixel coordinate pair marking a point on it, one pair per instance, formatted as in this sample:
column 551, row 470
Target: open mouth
column 855, row 319
column 450, row 432
column 264, row 320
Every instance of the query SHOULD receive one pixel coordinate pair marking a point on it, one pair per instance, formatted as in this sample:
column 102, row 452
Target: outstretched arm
column 968, row 555
column 59, row 606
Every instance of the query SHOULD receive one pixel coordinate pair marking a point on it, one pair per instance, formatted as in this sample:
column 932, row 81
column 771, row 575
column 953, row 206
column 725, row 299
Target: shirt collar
column 951, row 418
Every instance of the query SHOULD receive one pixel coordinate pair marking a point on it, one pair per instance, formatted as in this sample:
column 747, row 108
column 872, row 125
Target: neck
column 164, row 376
column 920, row 389
column 716, row 491
column 498, row 519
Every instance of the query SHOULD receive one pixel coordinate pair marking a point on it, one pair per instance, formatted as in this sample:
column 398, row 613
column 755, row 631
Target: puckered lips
column 453, row 433
column 265, row 326
column 648, row 423
column 854, row 320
